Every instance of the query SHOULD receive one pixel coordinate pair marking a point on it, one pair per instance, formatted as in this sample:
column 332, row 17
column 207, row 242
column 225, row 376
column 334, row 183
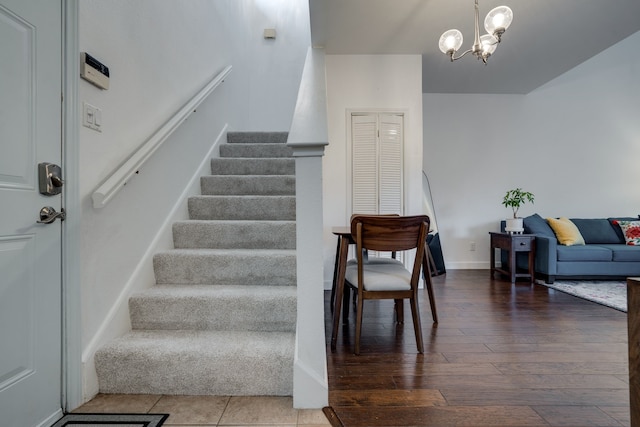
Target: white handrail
column 119, row 178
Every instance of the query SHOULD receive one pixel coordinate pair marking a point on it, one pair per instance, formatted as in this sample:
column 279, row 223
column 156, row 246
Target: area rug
column 606, row 292
column 115, row 420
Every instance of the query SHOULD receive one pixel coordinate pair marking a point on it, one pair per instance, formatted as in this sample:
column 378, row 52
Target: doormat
column 116, row 420
column 605, row 292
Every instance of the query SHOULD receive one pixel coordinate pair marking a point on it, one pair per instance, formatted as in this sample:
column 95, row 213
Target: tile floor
column 201, row 411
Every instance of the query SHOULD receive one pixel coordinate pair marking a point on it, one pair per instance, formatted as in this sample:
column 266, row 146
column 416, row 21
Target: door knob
column 48, row 214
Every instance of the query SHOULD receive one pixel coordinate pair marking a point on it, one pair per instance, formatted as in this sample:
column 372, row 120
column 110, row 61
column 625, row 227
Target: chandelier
column 496, row 23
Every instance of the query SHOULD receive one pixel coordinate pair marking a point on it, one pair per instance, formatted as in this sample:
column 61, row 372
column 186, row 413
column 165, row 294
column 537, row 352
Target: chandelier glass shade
column 496, row 23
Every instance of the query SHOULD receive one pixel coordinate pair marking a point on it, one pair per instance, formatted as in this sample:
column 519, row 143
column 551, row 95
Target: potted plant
column 514, row 199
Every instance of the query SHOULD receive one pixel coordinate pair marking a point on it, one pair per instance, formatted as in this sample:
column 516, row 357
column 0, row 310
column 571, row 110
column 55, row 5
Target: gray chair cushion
column 381, row 274
column 374, row 260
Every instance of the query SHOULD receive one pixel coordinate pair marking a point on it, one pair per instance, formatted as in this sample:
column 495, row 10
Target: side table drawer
column 522, row 243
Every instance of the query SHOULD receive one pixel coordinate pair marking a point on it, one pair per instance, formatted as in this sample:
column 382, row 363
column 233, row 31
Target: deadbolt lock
column 50, row 179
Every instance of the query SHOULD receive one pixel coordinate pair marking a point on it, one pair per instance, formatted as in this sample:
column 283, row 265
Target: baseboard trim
column 310, row 388
column 468, row 265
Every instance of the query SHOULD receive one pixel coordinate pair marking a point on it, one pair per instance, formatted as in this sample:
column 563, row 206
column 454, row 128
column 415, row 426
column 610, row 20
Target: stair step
column 250, row 150
column 234, row 234
column 241, row 185
column 225, row 363
column 242, row 207
column 221, row 318
column 256, row 166
column 214, row 307
column 226, row 267
column 257, row 137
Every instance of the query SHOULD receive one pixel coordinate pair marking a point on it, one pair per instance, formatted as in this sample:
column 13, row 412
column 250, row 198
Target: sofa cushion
column 566, row 231
column 584, row 253
column 624, row 253
column 535, row 224
column 617, row 228
column 631, row 232
column 597, row 230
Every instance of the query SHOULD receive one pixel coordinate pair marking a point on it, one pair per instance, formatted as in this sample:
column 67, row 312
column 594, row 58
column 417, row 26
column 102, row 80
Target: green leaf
column 515, row 198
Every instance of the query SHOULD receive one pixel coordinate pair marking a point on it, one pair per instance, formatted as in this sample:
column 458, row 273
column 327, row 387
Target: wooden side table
column 513, row 243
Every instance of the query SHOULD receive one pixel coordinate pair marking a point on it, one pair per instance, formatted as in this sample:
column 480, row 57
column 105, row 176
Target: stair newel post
column 309, row 375
column 307, row 138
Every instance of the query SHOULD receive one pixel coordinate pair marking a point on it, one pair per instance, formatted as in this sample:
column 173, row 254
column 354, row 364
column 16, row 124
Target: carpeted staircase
column 221, row 318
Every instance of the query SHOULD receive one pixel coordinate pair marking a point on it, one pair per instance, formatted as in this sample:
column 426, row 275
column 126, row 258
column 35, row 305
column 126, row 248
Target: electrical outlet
column 472, row 246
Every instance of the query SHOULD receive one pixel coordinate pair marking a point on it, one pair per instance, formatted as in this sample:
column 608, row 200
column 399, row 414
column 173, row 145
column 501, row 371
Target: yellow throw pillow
column 566, row 231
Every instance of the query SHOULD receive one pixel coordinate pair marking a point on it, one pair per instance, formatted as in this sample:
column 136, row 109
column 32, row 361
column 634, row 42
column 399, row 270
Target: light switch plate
column 91, row 117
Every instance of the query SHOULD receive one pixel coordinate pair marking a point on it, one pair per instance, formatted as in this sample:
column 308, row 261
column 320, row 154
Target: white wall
column 574, row 143
column 269, row 70
column 160, row 53
column 376, row 83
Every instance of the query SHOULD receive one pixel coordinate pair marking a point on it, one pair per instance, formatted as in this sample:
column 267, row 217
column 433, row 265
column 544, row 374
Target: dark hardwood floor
column 501, row 355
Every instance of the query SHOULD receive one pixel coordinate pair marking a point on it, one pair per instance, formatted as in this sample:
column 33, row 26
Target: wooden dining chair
column 375, row 279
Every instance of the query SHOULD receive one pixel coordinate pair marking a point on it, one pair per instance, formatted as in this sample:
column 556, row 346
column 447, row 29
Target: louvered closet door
column 390, row 165
column 377, row 144
column 364, row 141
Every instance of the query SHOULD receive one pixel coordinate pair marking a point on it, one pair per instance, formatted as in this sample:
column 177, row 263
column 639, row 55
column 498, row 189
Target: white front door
column 30, row 253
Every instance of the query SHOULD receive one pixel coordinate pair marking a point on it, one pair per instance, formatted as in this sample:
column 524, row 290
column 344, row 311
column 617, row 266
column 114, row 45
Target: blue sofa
column 603, row 256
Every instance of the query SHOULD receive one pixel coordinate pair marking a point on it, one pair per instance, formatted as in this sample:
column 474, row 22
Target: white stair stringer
column 221, row 318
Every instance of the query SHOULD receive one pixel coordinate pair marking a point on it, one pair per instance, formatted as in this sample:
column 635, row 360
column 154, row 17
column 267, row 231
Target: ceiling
column 546, row 38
